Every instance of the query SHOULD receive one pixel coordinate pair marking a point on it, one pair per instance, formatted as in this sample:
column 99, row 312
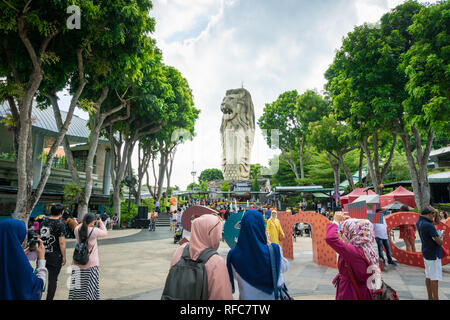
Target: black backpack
column 81, row 252
column 187, row 279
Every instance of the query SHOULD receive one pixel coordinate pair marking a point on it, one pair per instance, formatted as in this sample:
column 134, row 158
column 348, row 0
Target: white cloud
column 271, row 46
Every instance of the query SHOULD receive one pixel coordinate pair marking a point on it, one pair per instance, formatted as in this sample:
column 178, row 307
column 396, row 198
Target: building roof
column 45, row 123
column 441, row 177
column 440, row 151
column 400, row 191
column 358, row 192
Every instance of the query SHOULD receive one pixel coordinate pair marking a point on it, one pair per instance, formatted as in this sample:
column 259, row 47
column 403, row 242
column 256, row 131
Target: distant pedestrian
column 179, row 216
column 353, row 239
column 153, row 219
column 85, row 278
column 408, row 233
column 249, row 261
column 382, row 239
column 274, row 231
column 71, row 224
column 432, row 252
column 18, row 281
column 206, row 232
column 52, row 235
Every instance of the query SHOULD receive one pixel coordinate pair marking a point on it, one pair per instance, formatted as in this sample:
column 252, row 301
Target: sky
column 266, row 46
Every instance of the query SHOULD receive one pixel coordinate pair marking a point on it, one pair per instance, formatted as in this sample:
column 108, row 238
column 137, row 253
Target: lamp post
column 193, row 172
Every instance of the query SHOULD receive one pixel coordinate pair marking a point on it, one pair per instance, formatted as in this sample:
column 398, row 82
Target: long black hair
column 87, row 219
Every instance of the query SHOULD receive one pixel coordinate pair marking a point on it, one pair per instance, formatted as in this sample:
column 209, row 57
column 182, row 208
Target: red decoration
column 414, row 259
column 323, row 254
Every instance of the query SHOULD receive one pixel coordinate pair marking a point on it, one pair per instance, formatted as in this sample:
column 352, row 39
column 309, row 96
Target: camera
column 33, row 239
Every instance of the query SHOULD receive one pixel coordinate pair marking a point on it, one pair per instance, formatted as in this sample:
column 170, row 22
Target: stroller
column 178, row 235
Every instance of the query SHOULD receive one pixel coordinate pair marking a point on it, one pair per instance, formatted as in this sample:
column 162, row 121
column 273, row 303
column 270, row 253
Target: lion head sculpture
column 237, row 130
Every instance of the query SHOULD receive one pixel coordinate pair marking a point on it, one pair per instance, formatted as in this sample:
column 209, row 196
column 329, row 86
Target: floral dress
column 408, row 232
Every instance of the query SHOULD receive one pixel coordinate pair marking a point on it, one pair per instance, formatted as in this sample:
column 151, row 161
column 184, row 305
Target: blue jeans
column 385, row 243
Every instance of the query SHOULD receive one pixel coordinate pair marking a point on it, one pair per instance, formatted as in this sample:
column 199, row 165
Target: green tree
column 359, row 98
column 335, row 138
column 279, row 115
column 310, row 107
column 31, row 34
column 179, row 115
column 210, row 175
column 427, row 106
column 225, row 186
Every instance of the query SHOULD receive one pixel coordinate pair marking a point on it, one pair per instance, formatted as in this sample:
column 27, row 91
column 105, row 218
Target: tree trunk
column 302, row 169
column 361, row 158
column 336, row 172
column 116, row 203
column 162, row 170
column 348, row 174
column 25, row 150
column 292, row 164
column 419, row 174
column 370, row 165
column 169, row 167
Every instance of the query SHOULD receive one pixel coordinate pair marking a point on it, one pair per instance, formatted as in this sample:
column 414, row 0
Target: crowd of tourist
column 256, row 264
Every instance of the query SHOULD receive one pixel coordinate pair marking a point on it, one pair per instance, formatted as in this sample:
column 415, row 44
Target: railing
column 61, row 163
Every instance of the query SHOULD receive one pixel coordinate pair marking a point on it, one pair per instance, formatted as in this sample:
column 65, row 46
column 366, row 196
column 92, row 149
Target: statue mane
column 246, row 119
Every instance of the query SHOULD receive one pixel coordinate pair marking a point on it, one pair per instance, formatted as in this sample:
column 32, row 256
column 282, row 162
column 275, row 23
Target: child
column 178, row 234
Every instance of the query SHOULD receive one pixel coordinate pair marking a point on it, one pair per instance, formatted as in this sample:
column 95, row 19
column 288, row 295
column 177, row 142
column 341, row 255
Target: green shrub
column 148, row 202
column 126, row 216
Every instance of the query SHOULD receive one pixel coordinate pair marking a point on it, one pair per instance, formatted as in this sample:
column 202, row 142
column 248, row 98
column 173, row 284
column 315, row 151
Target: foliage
column 148, row 202
column 426, row 65
column 125, row 216
column 72, row 193
column 255, row 185
column 193, row 186
column 210, row 175
column 225, row 186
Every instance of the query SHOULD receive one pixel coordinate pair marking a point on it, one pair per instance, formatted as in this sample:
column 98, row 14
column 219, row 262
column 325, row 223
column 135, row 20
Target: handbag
column 281, row 293
column 386, row 292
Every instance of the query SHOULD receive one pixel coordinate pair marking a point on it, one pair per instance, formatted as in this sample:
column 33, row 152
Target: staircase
column 163, row 220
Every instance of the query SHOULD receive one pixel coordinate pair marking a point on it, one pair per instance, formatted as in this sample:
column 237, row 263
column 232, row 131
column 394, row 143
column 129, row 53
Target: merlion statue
column 238, row 131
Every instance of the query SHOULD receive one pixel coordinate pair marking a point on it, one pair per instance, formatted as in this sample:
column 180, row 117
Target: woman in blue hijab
column 17, row 279
column 249, row 260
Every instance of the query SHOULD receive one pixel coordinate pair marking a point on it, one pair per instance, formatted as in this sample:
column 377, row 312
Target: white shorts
column 433, row 269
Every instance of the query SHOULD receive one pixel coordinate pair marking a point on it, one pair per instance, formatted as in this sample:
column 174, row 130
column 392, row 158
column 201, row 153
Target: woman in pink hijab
column 359, row 273
column 206, row 232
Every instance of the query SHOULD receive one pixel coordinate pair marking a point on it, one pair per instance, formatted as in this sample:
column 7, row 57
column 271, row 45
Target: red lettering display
column 414, row 259
column 323, row 254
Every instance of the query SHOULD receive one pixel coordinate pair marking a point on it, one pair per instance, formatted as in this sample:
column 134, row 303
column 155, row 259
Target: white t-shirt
column 380, row 230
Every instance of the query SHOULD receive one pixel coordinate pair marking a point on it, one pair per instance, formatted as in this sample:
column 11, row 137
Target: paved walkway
column 134, row 265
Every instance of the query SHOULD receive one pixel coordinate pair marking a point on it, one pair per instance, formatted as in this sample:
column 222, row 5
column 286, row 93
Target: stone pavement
column 134, row 264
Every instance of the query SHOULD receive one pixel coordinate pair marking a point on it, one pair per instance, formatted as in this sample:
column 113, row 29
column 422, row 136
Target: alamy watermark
column 73, row 21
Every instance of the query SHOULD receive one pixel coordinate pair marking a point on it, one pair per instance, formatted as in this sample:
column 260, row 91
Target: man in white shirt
column 381, row 237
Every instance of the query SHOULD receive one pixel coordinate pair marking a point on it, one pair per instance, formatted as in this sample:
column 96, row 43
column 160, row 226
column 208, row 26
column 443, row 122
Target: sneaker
column 393, row 263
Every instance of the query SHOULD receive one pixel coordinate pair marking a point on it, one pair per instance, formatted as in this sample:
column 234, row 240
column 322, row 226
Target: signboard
column 242, row 186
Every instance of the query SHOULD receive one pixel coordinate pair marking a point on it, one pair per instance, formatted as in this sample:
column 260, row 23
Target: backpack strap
column 205, row 255
column 186, row 254
column 274, row 273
